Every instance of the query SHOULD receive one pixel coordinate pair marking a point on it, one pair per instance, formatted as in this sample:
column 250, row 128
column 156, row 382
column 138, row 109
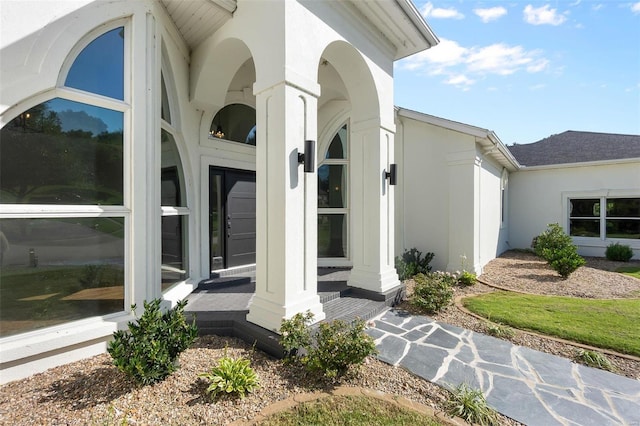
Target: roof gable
column 577, row 147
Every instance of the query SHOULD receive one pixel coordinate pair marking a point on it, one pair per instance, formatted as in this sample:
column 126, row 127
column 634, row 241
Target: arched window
column 235, row 122
column 62, row 200
column 174, row 209
column 333, row 204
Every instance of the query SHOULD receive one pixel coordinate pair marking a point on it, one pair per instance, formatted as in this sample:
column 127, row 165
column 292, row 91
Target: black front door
column 232, row 214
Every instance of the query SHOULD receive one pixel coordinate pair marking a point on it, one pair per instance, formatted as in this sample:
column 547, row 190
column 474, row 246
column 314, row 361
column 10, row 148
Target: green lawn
column 633, row 271
column 349, row 410
column 610, row 324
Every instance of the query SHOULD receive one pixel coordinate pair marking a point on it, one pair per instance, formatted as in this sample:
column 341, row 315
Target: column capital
column 291, row 79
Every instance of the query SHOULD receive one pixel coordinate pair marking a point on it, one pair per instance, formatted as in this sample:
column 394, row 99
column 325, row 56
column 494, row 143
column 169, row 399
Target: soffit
column 400, row 23
column 198, row 19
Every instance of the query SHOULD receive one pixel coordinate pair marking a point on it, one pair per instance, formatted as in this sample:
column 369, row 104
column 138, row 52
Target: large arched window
column 333, row 204
column 173, row 198
column 235, row 122
column 62, row 200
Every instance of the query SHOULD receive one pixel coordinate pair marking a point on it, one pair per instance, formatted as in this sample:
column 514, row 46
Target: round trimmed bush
column 619, row 252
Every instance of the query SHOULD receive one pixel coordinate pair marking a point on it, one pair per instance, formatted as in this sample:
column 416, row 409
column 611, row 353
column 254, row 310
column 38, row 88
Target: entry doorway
column 232, row 218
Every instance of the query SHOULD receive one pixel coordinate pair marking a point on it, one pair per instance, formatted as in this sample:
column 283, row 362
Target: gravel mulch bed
column 94, row 392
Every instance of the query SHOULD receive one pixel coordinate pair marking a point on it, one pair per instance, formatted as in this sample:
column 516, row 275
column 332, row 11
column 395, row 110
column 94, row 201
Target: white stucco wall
column 538, row 196
column 492, row 232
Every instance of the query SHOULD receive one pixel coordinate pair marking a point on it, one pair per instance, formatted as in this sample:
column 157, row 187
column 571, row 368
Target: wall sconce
column 391, row 174
column 309, row 156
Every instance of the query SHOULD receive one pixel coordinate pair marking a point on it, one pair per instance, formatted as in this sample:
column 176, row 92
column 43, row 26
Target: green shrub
column 148, row 351
column 231, row 376
column 550, row 241
column 433, row 291
column 619, row 252
column 339, row 345
column 333, row 348
column 594, row 359
column 557, row 248
column 466, row 279
column 471, row 406
column 566, row 261
column 295, row 334
column 412, row 263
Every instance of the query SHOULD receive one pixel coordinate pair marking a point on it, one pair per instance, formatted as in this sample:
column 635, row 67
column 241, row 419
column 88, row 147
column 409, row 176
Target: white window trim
column 601, row 241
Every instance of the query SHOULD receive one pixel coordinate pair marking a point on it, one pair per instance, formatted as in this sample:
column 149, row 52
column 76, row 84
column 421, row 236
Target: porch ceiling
column 198, row 19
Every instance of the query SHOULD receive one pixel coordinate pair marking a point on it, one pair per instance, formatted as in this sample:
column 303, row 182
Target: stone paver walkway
column 531, row 387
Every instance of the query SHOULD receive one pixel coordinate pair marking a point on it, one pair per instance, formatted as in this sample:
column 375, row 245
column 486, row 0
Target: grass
column 349, row 410
column 633, row 271
column 609, row 324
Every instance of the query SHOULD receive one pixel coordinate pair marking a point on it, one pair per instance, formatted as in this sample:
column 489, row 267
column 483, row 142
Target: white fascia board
column 419, row 22
column 582, row 164
column 467, row 129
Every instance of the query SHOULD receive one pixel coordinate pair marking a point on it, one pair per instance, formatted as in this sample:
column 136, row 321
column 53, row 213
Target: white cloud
column 575, row 3
column 543, row 15
column 538, row 86
column 597, row 7
column 635, row 8
column 462, row 66
column 428, row 11
column 490, row 14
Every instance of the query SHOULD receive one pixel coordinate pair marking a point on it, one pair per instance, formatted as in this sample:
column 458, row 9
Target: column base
column 377, row 282
column 269, row 315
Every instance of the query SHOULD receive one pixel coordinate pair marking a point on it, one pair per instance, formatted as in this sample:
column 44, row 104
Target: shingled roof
column 577, row 147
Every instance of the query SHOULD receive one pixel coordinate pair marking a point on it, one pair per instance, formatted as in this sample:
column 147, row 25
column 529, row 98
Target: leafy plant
column 333, row 348
column 471, row 406
column 433, row 291
column 231, row 376
column 552, row 239
column 566, row 261
column 594, row 359
column 466, row 279
column 557, row 248
column 148, row 351
column 295, row 334
column 412, row 263
column 339, row 345
column 619, row 252
column 499, row 330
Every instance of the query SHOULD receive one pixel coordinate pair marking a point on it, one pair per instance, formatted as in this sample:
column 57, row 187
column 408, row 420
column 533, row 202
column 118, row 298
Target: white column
column 286, row 240
column 372, row 209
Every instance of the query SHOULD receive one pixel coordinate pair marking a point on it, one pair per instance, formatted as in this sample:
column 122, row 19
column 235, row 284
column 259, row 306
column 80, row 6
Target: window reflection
column 62, row 152
column 99, row 68
column 235, row 122
column 332, row 235
column 331, row 186
column 58, row 270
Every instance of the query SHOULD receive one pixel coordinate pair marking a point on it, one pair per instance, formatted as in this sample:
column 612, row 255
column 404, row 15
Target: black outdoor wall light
column 308, row 158
column 392, row 173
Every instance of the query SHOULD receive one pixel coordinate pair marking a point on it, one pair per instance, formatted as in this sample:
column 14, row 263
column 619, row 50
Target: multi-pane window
column 62, row 200
column 173, row 201
column 332, row 198
column 605, row 217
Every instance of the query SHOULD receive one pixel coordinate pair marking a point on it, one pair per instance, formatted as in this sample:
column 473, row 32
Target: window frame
column 63, row 211
column 345, row 211
column 602, row 240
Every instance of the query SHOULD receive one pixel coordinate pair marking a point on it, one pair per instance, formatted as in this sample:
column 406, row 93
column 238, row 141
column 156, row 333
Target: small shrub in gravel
column 594, row 359
column 467, row 279
column 470, row 405
column 412, row 263
column 333, row 348
column 433, row 291
column 499, row 330
column 148, row 351
column 619, row 252
column 557, row 248
column 232, row 376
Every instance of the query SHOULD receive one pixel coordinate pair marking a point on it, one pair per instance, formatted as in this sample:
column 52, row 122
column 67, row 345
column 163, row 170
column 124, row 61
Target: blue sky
column 526, row 69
